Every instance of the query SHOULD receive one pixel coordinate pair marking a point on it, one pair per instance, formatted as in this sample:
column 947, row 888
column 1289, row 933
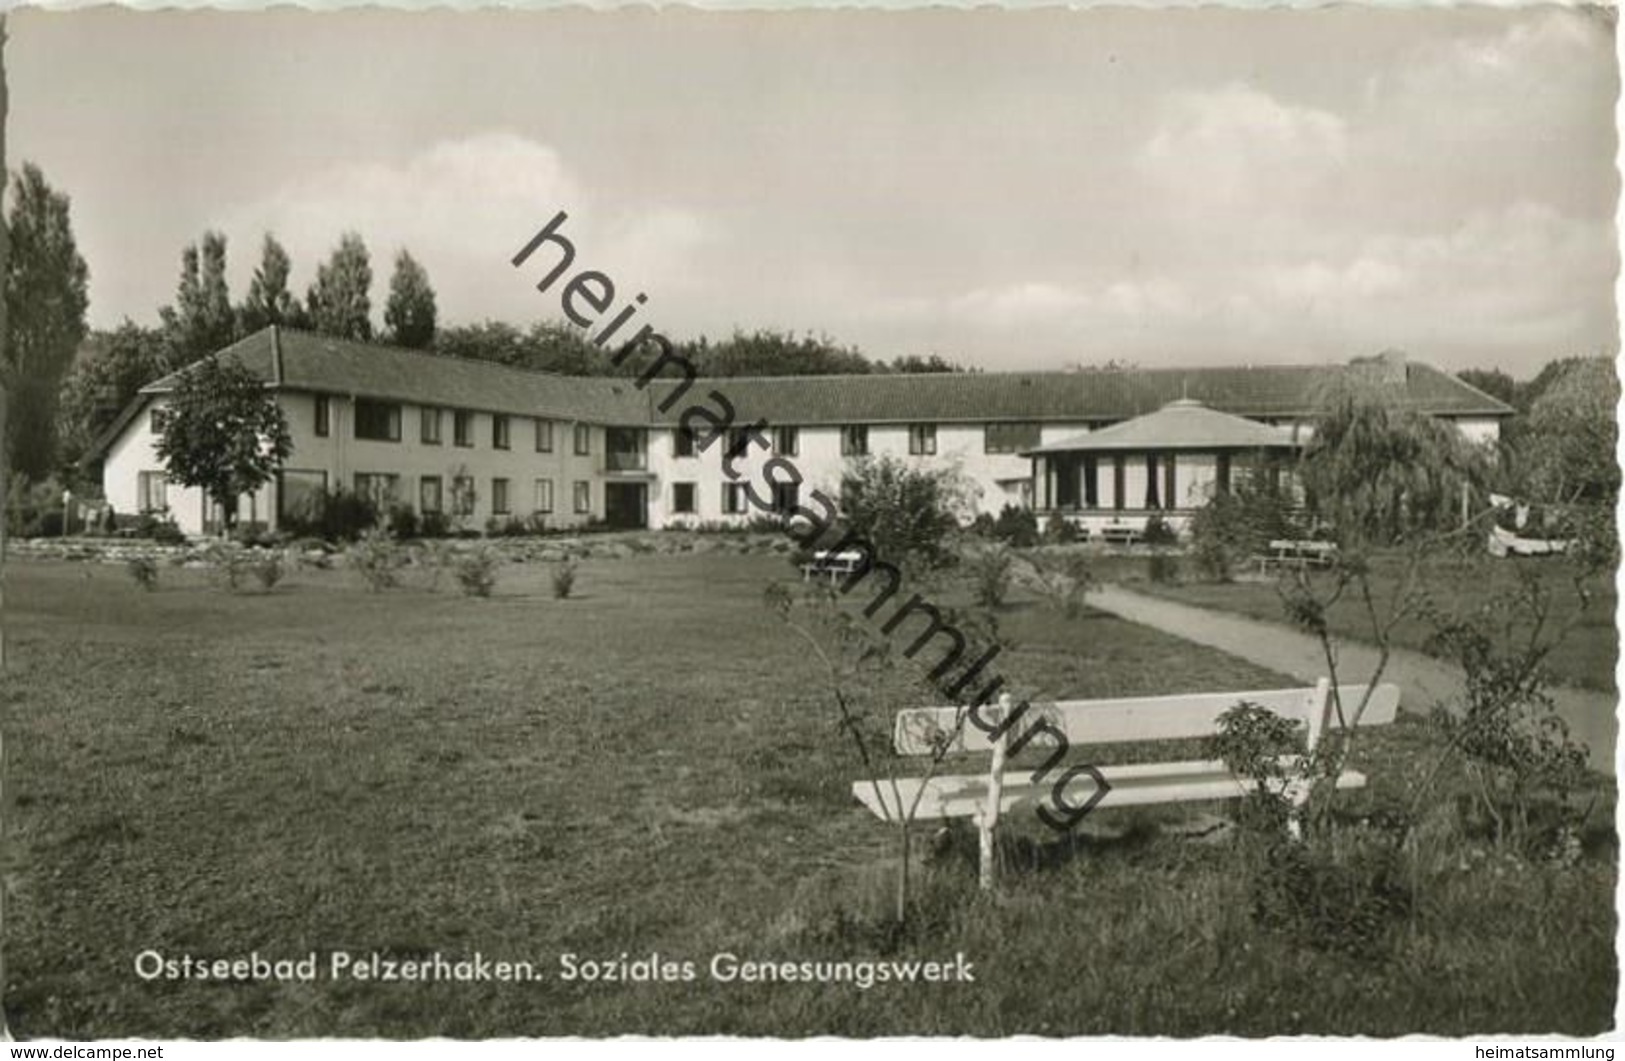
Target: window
column 1119, row 476
column 625, row 449
column 462, row 495
column 733, row 498
column 544, row 436
column 324, row 416
column 544, row 495
column 922, row 439
column 462, row 428
column 429, row 494
column 1011, row 437
column 683, row 497
column 787, row 441
column 736, row 442
column 499, row 431
column 159, row 419
column 682, row 442
column 377, row 487
column 1152, row 498
column 583, row 498
column 854, row 440
column 377, row 421
column 499, row 497
column 583, row 440
column 429, row 422
column 152, row 491
column 298, row 491
column 786, row 496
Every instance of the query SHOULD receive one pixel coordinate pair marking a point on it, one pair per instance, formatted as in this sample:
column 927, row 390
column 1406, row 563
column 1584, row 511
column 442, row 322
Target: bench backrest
column 1084, row 722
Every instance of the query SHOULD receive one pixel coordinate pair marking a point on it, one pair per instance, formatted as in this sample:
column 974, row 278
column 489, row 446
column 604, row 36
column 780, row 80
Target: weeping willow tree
column 1391, row 485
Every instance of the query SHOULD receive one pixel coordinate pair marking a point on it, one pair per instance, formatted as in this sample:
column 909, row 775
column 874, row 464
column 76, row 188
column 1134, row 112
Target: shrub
column 990, row 575
column 1060, row 531
column 434, row 525
column 402, row 522
column 1016, row 526
column 378, row 559
column 144, row 569
column 228, row 564
column 333, row 515
column 477, row 572
column 34, row 509
column 1342, row 895
column 1064, row 580
column 268, row 570
column 1159, row 532
column 165, row 532
column 983, row 526
column 908, row 514
column 507, row 527
column 564, row 578
column 1163, row 568
column 1238, row 524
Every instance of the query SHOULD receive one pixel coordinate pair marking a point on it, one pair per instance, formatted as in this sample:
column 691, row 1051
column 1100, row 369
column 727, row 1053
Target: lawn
column 652, row 767
column 1586, row 657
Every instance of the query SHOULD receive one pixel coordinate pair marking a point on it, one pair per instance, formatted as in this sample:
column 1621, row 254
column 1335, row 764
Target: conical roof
column 1183, row 424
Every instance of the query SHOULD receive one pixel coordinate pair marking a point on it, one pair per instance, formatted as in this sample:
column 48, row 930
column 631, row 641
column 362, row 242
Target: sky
column 1008, row 189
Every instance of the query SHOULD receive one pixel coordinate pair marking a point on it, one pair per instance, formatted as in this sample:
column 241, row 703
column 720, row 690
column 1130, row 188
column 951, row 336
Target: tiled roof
column 304, row 361
column 318, row 363
column 1184, row 424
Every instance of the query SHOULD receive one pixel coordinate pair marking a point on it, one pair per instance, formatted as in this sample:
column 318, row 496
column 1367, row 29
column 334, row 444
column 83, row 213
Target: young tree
column 45, row 301
column 339, row 302
column 269, row 301
column 410, row 312
column 224, row 432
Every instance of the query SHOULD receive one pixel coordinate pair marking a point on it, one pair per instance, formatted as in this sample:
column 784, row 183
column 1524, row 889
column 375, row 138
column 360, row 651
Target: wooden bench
column 1066, row 725
column 1300, row 554
column 835, row 565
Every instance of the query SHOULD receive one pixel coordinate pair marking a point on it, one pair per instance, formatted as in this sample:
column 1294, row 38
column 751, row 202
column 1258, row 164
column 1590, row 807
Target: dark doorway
column 626, row 505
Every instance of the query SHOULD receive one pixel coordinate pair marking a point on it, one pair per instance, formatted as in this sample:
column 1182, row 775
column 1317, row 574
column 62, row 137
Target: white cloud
column 463, row 207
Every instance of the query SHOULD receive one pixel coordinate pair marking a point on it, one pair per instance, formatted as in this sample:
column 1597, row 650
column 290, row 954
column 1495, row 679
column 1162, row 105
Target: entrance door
column 626, row 505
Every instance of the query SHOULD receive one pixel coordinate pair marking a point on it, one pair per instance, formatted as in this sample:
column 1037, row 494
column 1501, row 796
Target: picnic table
column 1297, row 553
column 835, row 565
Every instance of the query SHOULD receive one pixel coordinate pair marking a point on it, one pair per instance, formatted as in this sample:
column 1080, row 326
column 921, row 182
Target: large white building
column 483, row 442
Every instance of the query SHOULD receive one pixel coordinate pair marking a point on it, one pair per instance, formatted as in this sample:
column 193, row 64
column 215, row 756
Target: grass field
column 652, row 767
column 1586, row 658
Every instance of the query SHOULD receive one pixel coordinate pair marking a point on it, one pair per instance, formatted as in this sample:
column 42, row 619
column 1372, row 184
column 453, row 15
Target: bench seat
column 1139, row 784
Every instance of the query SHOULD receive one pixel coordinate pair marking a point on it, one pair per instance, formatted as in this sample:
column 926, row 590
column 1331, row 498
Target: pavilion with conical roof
column 1168, row 463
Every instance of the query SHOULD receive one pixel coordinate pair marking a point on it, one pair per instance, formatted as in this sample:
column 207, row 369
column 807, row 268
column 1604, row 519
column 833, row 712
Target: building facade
column 481, row 443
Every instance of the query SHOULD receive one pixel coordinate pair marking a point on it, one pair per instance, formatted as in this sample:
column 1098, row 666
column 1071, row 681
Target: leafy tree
column 269, row 301
column 1566, row 452
column 772, row 353
column 410, row 312
column 201, row 321
column 100, row 387
column 224, row 432
column 1494, row 382
column 45, row 302
column 915, row 364
column 339, row 301
column 908, row 513
column 548, row 346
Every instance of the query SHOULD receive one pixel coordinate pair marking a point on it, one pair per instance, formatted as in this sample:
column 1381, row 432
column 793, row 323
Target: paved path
column 1423, row 681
